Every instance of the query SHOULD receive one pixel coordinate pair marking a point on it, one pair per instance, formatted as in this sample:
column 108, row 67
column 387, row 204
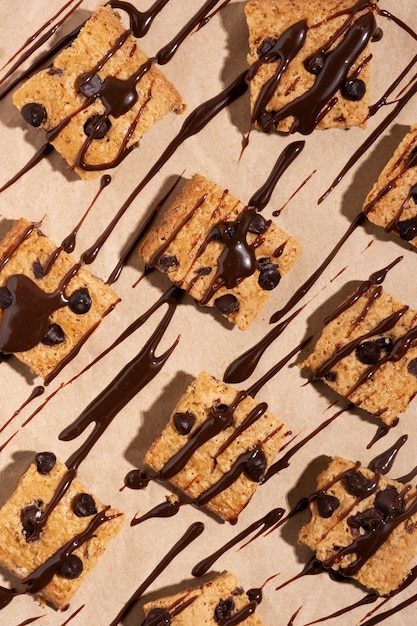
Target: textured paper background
column 208, row 61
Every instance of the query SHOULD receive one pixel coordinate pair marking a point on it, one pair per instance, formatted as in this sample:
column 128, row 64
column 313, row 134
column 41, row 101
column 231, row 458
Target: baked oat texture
column 391, row 203
column 25, row 250
column 178, row 246
column 387, row 568
column 267, row 20
column 363, row 372
column 222, row 596
column 22, row 557
column 206, row 466
column 56, row 90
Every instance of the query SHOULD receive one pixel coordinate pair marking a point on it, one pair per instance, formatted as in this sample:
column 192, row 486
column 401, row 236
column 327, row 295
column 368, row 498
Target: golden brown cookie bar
column 316, row 63
column 49, row 304
column 223, row 253
column 363, row 525
column 392, row 202
column 368, row 354
column 24, row 551
column 217, row 446
column 86, row 95
column 213, row 603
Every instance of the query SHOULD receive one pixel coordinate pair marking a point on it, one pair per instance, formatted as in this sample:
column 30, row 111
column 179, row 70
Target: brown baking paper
column 205, row 63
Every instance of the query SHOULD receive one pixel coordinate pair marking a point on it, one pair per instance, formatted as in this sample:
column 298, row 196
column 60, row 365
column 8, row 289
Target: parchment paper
column 207, row 62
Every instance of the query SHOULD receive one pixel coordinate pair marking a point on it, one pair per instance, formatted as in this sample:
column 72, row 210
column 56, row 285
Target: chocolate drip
column 6, row 596
column 190, row 535
column 381, row 431
column 369, row 598
column 128, row 382
column 242, row 615
column 306, row 108
column 140, row 21
column 165, row 509
column 265, row 522
column 383, row 463
column 40, row 154
column 36, row 392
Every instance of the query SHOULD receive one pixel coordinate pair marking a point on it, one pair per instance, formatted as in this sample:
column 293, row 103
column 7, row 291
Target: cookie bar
column 223, row 253
column 78, row 515
column 309, row 63
column 214, row 602
column 217, row 446
column 392, row 202
column 368, row 354
column 93, row 101
column 363, row 525
column 49, row 304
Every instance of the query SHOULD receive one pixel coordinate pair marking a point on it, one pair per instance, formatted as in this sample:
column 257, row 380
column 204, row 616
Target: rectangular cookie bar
column 392, row 202
column 214, row 602
column 309, row 63
column 368, row 354
column 363, row 525
column 25, row 552
column 88, row 100
column 223, row 253
column 217, row 446
column 49, row 304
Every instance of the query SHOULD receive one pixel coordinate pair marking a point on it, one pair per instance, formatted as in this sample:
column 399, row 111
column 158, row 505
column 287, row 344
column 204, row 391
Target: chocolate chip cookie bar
column 367, row 352
column 51, row 548
column 49, row 303
column 99, row 96
column 217, row 446
column 392, row 202
column 310, row 62
column 221, row 252
column 214, row 602
column 363, row 525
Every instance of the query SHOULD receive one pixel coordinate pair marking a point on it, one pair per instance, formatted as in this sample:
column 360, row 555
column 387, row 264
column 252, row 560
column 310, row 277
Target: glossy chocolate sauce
column 382, row 464
column 35, row 393
column 140, row 21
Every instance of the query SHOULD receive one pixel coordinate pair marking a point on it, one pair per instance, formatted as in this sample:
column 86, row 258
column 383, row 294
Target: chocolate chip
column 53, row 336
column 331, row 376
column 258, row 224
column 37, row 269
column 223, row 610
column 167, row 262
column 378, row 34
column 98, row 125
column 90, row 85
column 28, row 516
column 368, row 520
column 369, row 352
column 389, row 502
column 72, row 567
column 265, row 118
column 327, row 504
column 203, row 271
column 255, row 467
column 45, row 462
column 184, row 422
column 358, row 485
column 266, row 46
column 412, row 367
column 354, row 89
column 315, row 64
column 407, row 229
column 269, row 276
column 83, row 505
column 229, row 231
column 34, row 114
column 6, row 298
column 227, row 304
column 80, row 301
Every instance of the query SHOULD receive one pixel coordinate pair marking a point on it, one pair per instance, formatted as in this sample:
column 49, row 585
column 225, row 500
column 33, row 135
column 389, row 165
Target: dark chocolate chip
column 407, row 229
column 37, row 269
column 269, row 276
column 223, row 610
column 358, row 485
column 184, row 422
column 227, row 304
column 6, row 298
column 255, row 467
column 266, row 46
column 28, row 516
column 265, row 118
column 90, row 85
column 389, row 502
column 98, row 125
column 83, row 505
column 45, row 462
column 315, row 64
column 203, row 271
column 53, row 336
column 258, row 224
column 230, row 231
column 330, row 376
column 72, row 567
column 327, row 504
column 368, row 520
column 354, row 89
column 34, row 114
column 412, row 367
column 167, row 262
column 80, row 301
column 377, row 35
column 368, row 352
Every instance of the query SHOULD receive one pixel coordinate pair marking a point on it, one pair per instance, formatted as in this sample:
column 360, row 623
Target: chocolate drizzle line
column 140, row 21
column 35, row 393
column 383, row 463
column 190, row 535
column 40, row 154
